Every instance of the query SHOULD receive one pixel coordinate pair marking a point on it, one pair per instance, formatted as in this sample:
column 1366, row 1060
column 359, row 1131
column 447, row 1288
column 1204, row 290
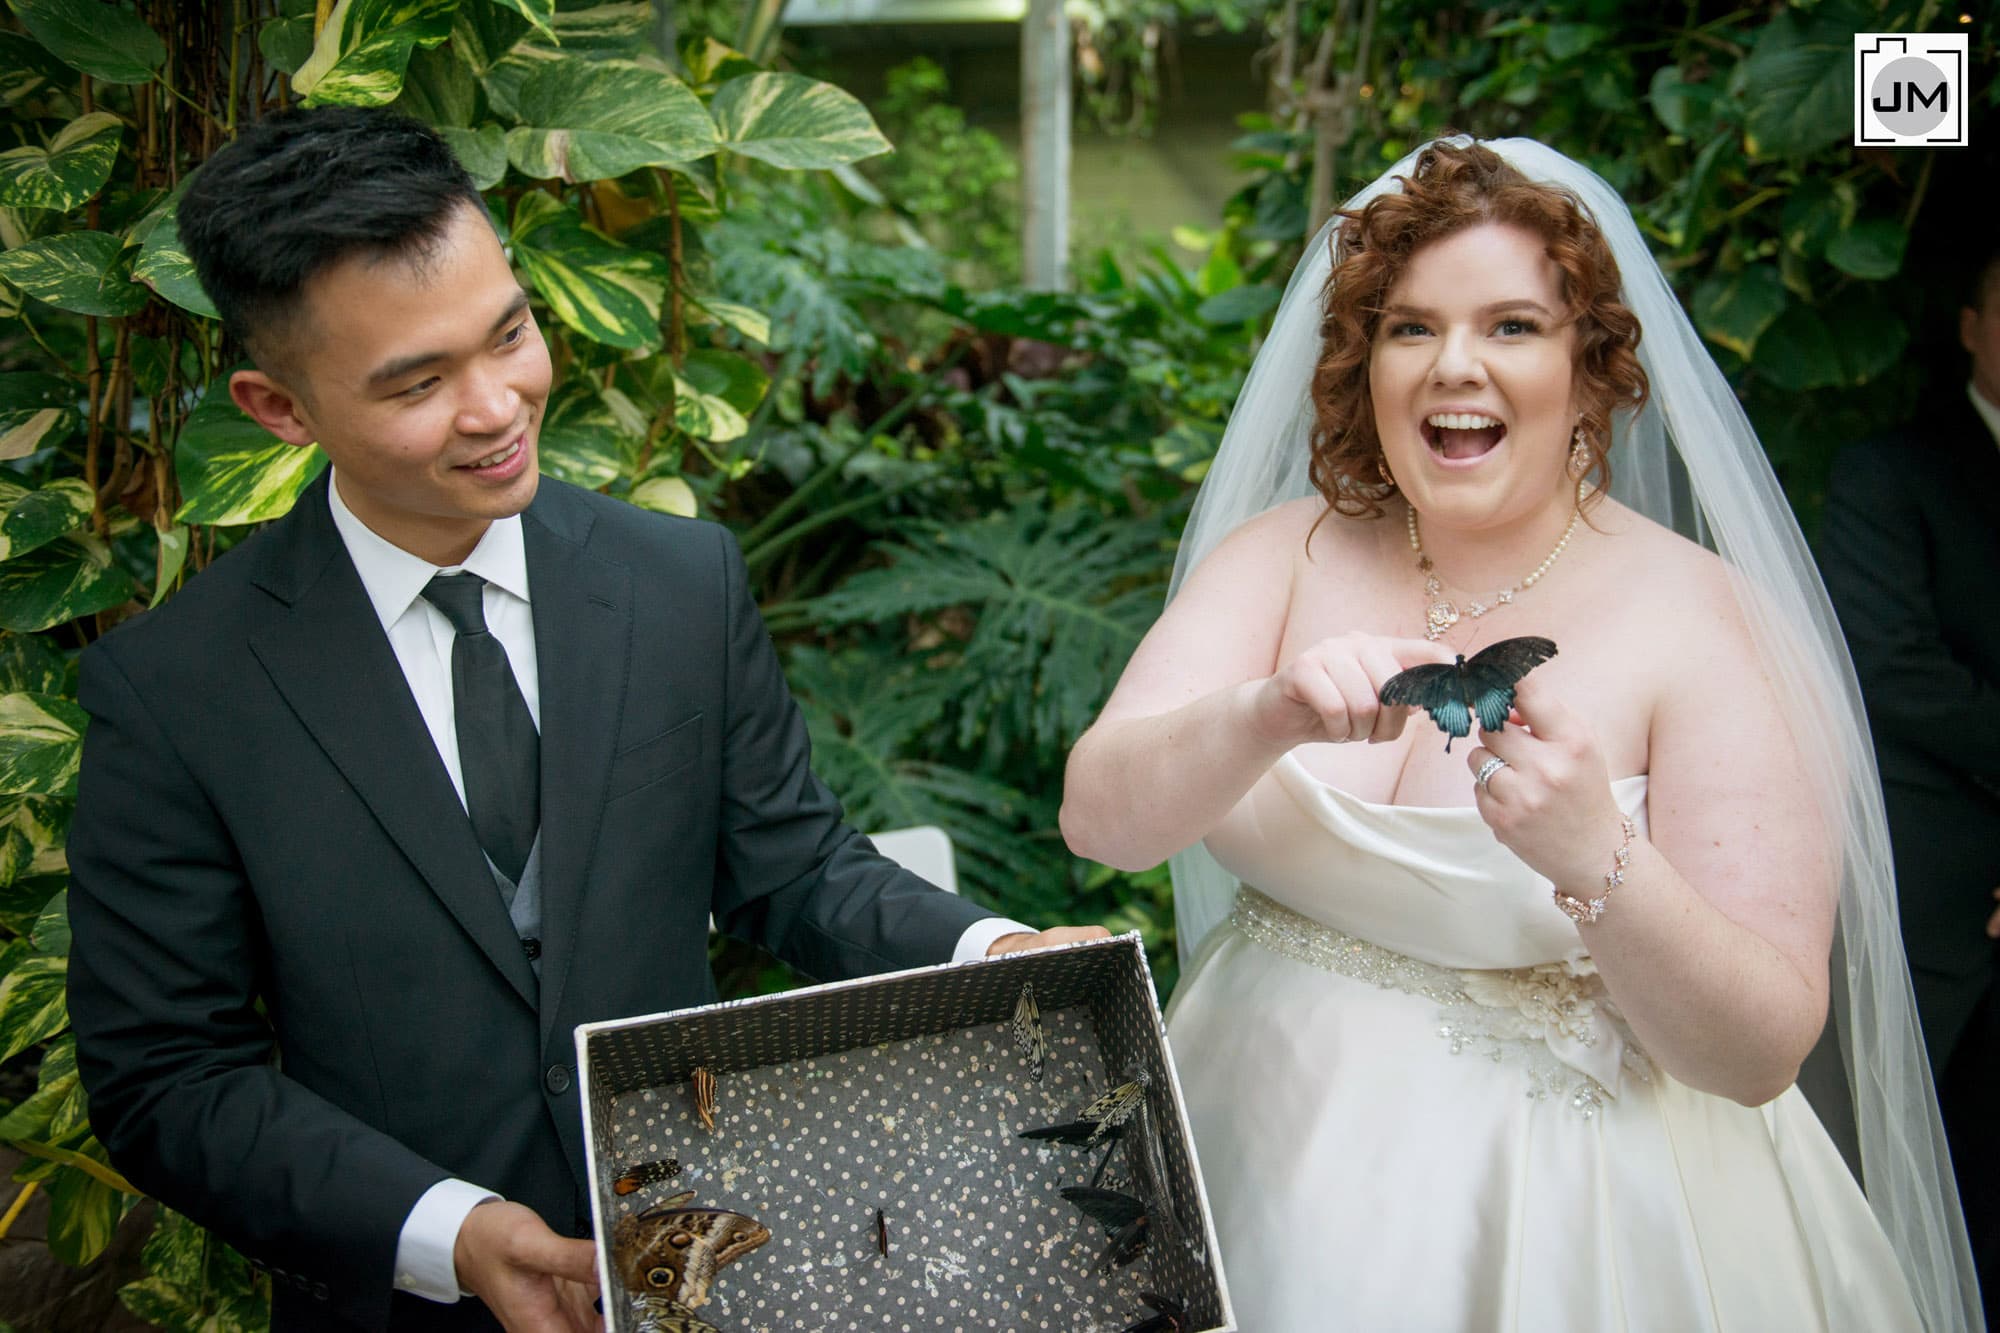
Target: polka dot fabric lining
column 906, row 1093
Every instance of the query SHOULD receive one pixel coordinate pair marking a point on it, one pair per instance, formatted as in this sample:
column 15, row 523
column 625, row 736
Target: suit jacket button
column 531, row 947
column 556, row 1080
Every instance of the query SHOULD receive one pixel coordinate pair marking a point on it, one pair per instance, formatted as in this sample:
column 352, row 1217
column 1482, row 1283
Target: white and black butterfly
column 1029, row 1034
column 1481, row 686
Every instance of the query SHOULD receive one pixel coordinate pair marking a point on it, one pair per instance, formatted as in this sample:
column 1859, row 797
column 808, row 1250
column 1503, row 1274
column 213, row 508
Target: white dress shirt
column 421, row 638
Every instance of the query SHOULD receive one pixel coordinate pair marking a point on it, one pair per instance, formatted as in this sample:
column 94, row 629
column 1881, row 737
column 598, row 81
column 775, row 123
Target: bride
column 1505, row 1036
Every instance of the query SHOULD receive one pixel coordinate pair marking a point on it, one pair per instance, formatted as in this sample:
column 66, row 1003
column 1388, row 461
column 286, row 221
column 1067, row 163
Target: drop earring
column 1580, row 457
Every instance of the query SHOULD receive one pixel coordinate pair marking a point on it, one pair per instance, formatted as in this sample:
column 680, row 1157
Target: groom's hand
column 533, row 1280
column 1043, row 938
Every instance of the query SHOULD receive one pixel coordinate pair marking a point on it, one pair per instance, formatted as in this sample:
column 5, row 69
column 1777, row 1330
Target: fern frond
column 861, row 710
column 1060, row 598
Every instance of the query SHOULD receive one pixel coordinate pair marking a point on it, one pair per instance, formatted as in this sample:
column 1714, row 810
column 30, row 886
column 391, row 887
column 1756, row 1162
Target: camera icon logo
column 1909, row 89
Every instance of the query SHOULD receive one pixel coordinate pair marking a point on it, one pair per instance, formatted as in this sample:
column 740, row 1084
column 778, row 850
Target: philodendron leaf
column 581, row 438
column 482, row 152
column 83, row 1216
column 365, row 47
column 39, row 517
column 666, row 495
column 31, row 1002
column 791, row 121
column 540, row 13
column 592, row 119
column 605, row 291
column 163, row 263
column 232, row 471
column 110, row 43
column 70, row 170
column 61, row 581
column 41, row 740
column 35, row 409
column 79, row 271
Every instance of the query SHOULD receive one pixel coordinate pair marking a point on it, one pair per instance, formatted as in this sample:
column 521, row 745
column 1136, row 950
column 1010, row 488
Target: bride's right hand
column 1332, row 690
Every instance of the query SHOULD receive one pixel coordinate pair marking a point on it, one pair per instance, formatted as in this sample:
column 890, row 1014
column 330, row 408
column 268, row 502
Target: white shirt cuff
column 979, row 936
column 423, row 1249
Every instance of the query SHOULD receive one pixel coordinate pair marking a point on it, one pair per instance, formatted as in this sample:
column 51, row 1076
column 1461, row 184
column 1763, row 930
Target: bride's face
column 1471, row 379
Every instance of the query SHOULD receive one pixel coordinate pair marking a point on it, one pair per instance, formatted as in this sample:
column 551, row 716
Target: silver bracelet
column 1584, row 911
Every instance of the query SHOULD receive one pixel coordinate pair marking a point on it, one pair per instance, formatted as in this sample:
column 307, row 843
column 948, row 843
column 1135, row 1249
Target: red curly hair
column 1452, row 189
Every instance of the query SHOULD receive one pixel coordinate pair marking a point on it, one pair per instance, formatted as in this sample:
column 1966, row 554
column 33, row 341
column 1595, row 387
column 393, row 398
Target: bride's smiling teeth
column 1463, row 434
column 495, row 459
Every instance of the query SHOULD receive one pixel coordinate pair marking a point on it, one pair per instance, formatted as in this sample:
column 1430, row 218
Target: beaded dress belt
column 1553, row 1016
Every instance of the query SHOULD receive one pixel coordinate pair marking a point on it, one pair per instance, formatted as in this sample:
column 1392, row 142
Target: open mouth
column 1462, row 435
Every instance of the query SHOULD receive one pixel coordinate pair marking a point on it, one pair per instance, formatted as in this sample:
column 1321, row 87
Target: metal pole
column 1045, row 118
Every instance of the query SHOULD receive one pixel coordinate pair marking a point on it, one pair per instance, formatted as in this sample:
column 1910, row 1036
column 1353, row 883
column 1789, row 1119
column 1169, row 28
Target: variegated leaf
column 581, row 441
column 51, row 932
column 706, row 416
column 482, row 152
column 29, row 662
column 730, row 376
column 109, row 42
column 32, row 833
column 70, row 170
column 605, row 291
column 504, row 78
column 61, row 581
column 163, row 263
column 365, row 46
column 172, row 558
column 232, row 471
column 83, row 1216
column 25, row 66
column 666, row 495
column 26, row 435
column 791, row 121
column 39, row 517
column 752, row 324
column 25, row 397
column 41, row 740
column 80, row 271
column 591, row 119
column 540, row 13
column 31, row 1003
column 51, row 1111
column 616, row 27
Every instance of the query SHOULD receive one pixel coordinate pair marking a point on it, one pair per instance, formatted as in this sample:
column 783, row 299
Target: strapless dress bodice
column 1429, row 882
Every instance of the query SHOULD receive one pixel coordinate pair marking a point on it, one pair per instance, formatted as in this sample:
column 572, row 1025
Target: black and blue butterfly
column 1481, row 686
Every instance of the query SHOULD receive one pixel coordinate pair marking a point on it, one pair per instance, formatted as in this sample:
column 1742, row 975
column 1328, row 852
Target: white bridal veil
column 1690, row 460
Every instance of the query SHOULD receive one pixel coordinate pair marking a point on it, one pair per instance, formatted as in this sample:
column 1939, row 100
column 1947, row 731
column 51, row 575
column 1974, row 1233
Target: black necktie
column 498, row 751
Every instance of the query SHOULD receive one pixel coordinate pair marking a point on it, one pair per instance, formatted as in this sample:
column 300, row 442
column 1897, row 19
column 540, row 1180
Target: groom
column 445, row 762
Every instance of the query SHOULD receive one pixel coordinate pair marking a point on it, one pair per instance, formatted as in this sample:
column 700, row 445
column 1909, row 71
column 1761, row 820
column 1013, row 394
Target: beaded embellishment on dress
column 1554, row 1016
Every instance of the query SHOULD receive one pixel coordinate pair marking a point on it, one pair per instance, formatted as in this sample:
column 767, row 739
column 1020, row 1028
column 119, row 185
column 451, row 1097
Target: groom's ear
column 273, row 405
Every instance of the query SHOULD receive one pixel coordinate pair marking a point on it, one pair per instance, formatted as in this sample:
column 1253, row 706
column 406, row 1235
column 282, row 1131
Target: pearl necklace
column 1440, row 613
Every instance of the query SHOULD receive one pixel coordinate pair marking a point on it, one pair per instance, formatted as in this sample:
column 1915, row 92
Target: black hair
column 302, row 189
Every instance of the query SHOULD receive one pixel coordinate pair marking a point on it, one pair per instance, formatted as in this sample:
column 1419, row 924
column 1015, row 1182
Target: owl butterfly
column 1170, row 1315
column 657, row 1314
column 1029, row 1034
column 1481, row 686
column 674, row 1252
column 1123, row 1218
column 638, row 1177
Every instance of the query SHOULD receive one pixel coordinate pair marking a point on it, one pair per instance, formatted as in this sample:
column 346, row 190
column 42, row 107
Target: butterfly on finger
column 1481, row 686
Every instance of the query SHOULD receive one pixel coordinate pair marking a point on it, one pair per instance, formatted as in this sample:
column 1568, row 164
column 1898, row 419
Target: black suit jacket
column 1910, row 550
column 298, row 999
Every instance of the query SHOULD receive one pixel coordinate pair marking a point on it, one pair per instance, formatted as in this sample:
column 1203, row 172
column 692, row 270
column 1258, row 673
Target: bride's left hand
column 1552, row 804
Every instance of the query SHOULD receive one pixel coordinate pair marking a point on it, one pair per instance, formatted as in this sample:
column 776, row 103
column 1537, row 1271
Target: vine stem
column 14, row 1208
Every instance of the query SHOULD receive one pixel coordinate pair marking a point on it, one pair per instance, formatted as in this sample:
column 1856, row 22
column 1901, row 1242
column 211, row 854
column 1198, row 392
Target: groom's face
column 424, row 379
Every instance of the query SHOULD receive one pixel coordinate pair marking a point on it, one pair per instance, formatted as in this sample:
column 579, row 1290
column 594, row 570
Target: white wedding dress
column 1415, row 1110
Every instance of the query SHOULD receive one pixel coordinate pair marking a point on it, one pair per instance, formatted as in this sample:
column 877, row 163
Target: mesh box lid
column 872, row 1127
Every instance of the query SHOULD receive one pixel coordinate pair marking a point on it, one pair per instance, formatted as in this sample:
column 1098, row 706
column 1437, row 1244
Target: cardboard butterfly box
column 872, row 1128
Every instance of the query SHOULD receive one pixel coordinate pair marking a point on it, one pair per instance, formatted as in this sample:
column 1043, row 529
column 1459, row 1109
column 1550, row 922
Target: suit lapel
column 324, row 649
column 583, row 643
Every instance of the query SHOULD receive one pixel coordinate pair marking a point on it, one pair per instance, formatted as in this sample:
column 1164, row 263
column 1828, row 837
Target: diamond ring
column 1486, row 771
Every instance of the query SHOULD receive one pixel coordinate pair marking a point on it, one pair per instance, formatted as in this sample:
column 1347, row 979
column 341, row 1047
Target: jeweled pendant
column 1440, row 616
